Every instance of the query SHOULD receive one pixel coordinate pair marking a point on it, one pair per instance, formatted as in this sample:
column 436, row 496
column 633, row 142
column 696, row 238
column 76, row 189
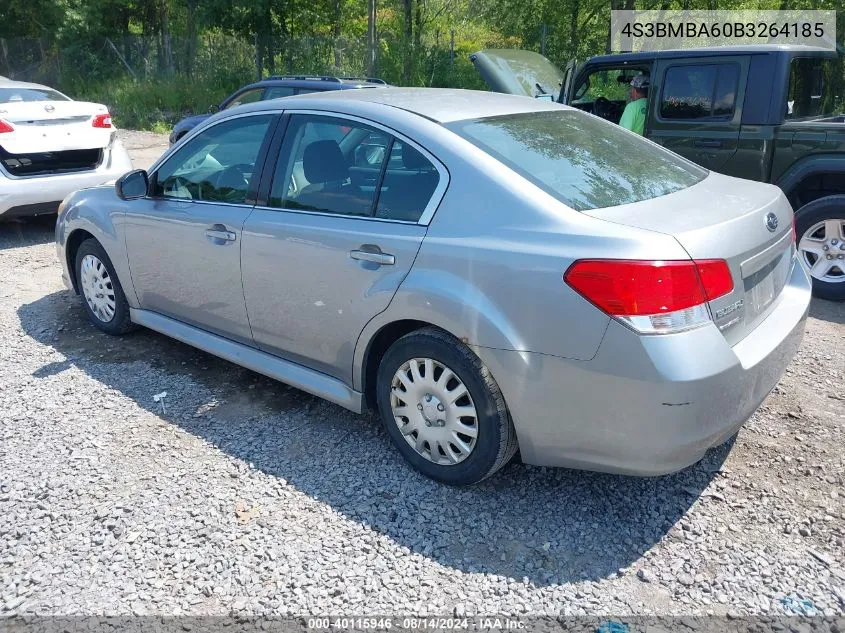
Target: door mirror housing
column 133, row 185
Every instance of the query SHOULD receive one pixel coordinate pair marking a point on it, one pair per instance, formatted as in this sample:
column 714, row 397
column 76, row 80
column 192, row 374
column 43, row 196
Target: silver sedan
column 489, row 272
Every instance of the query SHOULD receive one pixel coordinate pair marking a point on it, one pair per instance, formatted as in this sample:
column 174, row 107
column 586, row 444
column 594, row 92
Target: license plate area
column 764, row 286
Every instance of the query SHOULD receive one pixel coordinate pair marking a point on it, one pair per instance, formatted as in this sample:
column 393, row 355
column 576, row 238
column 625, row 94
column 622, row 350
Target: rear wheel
column 101, row 291
column 820, row 228
column 442, row 408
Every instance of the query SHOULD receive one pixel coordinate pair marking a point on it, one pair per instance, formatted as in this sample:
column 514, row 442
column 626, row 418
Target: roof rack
column 330, row 78
column 369, row 80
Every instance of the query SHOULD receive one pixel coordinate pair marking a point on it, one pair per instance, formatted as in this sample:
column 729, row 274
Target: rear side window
column 812, row 87
column 693, row 92
column 583, row 161
column 276, row 92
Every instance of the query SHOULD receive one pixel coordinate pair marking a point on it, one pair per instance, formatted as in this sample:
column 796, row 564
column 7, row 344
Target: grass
column 153, row 105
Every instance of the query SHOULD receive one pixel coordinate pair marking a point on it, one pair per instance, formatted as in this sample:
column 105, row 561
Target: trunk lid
column 519, row 72
column 52, row 126
column 746, row 223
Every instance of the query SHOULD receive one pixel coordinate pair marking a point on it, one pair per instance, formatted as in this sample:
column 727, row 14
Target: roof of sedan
column 443, row 105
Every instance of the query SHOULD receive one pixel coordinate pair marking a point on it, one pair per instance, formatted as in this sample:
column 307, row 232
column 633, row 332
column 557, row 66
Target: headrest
column 412, row 159
column 323, row 162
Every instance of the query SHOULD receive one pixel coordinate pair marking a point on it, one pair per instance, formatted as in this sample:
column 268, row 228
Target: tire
column 810, row 226
column 494, row 444
column 93, row 256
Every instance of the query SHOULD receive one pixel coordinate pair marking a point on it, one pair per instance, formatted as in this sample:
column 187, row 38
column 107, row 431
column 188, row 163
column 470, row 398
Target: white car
column 51, row 146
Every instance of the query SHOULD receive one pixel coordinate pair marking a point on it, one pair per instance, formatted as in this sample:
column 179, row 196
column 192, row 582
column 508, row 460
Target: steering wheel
column 233, row 179
column 177, row 187
column 602, row 107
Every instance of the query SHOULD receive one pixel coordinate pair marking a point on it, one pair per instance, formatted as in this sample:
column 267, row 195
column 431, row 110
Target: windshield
column 15, row 95
column 583, row 161
column 813, row 87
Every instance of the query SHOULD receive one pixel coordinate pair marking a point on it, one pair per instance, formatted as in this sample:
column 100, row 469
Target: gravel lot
column 241, row 495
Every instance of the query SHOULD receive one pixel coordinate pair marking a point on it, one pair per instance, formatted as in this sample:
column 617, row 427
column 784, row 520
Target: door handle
column 707, row 143
column 375, row 257
column 220, row 233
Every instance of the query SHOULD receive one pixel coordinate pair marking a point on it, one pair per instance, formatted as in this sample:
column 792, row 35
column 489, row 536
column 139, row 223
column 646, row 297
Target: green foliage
column 152, row 105
column 152, row 61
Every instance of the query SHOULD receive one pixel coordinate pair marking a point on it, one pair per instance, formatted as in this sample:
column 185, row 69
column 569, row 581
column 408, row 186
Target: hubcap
column 823, row 248
column 433, row 409
column 97, row 288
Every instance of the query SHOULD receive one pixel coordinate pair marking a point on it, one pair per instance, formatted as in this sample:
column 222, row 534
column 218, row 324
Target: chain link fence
column 150, row 84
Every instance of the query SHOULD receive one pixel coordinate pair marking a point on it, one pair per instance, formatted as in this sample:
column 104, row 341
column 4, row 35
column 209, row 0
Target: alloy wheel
column 822, row 246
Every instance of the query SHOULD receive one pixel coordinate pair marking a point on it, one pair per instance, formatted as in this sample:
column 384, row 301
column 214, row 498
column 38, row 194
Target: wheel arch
column 74, row 241
column 375, row 349
column 96, row 213
column 813, row 177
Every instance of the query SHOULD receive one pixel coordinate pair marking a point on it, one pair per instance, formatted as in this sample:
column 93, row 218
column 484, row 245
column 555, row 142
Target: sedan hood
column 748, row 224
column 519, row 72
column 50, row 126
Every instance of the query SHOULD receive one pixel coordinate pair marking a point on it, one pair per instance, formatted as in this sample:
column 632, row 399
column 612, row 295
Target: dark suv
column 274, row 88
column 769, row 113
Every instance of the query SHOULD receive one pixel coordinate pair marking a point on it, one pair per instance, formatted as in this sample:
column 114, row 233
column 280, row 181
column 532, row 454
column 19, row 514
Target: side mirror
column 133, row 185
column 213, row 109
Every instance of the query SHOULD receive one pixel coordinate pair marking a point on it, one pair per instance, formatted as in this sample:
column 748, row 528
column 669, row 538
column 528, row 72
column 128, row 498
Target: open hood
column 519, row 72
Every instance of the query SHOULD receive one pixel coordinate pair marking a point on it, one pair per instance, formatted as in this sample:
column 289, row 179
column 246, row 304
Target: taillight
column 652, row 297
column 5, row 127
column 102, row 120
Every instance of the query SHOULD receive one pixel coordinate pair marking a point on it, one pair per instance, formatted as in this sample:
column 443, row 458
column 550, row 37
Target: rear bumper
column 42, row 194
column 648, row 405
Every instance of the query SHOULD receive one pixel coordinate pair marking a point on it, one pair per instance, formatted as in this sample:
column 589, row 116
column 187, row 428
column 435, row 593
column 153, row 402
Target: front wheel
column 103, row 296
column 442, row 408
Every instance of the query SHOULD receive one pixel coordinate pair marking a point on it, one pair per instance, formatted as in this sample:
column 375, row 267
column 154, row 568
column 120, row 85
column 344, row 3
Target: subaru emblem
column 771, row 222
column 49, row 107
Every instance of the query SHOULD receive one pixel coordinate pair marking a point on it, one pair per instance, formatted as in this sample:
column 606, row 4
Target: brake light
column 652, row 296
column 5, row 127
column 102, row 121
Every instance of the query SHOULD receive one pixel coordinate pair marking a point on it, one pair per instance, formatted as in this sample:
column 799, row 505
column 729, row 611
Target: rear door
column 333, row 236
column 696, row 108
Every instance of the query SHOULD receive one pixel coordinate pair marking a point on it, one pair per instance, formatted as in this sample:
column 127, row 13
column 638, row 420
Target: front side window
column 217, row 165
column 343, row 167
column 605, row 92
column 693, row 92
column 248, row 96
column 812, row 82
column 583, row 161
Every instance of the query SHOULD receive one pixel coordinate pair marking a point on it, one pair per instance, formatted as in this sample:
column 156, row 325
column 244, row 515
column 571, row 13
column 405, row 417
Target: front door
column 695, row 108
column 184, row 240
column 337, row 234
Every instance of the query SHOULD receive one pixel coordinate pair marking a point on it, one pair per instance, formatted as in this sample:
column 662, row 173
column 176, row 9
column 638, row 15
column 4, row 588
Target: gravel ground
column 241, row 495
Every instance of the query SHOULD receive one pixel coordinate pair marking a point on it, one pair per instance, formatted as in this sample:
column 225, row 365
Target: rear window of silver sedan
column 583, row 161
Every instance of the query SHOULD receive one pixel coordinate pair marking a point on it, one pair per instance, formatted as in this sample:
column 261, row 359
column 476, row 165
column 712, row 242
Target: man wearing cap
column 633, row 118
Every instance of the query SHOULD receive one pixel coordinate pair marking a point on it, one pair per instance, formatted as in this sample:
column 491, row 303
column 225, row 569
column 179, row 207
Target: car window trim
column 725, row 120
column 428, row 211
column 252, row 193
